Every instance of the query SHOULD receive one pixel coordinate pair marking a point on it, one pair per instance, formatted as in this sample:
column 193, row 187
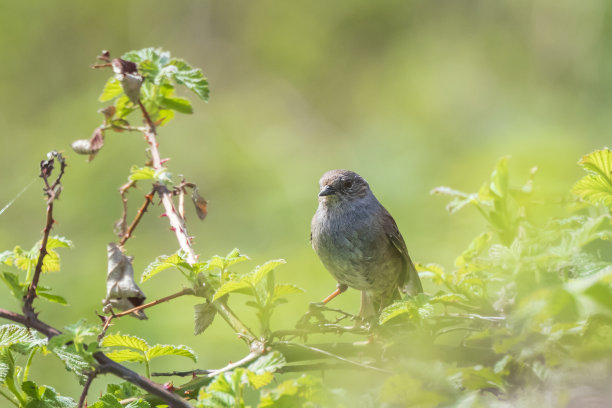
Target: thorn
column 162, row 161
column 164, row 215
column 173, row 229
column 156, row 145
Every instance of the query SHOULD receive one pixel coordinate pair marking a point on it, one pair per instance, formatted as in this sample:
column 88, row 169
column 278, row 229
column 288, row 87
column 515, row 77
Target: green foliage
column 596, row 187
column 157, row 90
column 137, row 350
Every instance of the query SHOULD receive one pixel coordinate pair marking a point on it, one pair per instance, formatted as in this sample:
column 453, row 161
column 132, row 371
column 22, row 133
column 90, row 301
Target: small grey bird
column 359, row 243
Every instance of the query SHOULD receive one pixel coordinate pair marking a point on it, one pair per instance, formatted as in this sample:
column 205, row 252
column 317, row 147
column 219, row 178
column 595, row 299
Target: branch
column 107, row 320
column 334, row 356
column 128, row 234
column 106, row 365
column 31, row 322
column 52, row 192
column 90, row 378
column 177, row 224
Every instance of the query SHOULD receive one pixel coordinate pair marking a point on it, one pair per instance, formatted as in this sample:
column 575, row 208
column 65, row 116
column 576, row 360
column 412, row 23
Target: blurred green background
column 409, row 94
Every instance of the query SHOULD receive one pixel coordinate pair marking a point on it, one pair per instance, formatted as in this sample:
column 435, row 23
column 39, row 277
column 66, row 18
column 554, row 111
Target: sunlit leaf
column 124, row 340
column 596, row 187
column 126, row 355
column 261, row 271
column 231, row 286
column 141, row 173
column 159, row 350
column 53, row 298
column 111, row 90
column 12, row 334
column 162, row 263
column 181, row 105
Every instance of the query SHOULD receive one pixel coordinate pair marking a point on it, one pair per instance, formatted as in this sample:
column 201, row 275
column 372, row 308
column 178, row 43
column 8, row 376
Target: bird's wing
column 409, row 281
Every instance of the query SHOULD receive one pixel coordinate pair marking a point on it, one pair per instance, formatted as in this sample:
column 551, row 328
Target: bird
column 359, row 243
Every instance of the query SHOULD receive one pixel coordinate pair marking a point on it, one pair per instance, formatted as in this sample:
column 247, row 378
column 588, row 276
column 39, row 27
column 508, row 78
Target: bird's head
column 337, row 186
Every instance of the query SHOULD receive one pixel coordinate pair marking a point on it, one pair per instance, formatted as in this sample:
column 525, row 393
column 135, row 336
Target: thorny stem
column 107, row 321
column 128, row 234
column 90, row 378
column 109, row 366
column 51, row 191
column 180, row 229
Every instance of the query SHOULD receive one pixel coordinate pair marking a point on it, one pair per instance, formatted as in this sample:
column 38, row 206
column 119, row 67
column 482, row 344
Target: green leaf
column 231, row 286
column 181, row 105
column 52, row 298
column 17, row 289
column 499, row 178
column 44, row 396
column 596, row 187
column 111, row 90
column 476, row 247
column 283, row 289
column 12, row 334
column 204, row 316
column 261, row 271
column 126, row 355
column 460, row 199
column 124, row 340
column 141, row 173
column 270, row 362
column 417, row 308
column 159, row 350
column 107, row 401
column 140, row 403
column 73, row 361
column 162, row 263
column 191, row 77
column 259, row 380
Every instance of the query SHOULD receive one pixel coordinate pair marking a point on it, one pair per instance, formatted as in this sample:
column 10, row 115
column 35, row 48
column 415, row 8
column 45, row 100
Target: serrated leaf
column 124, row 340
column 126, row 355
column 73, row 361
column 181, row 105
column 162, row 263
column 138, row 404
column 12, row 334
column 475, row 248
column 231, row 286
column 270, row 362
column 4, row 370
column 234, row 257
column 597, row 186
column 111, row 90
column 261, row 271
column 11, row 280
column 159, row 350
column 191, row 77
column 141, row 173
column 107, row 401
column 59, row 242
column 284, row 289
column 52, row 298
column 259, row 380
column 44, row 396
column 204, row 316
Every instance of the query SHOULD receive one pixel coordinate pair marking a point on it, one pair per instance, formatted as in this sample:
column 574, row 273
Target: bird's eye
column 347, row 184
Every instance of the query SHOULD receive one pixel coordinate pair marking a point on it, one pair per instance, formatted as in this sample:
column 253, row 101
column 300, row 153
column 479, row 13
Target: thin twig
column 143, row 208
column 243, row 361
column 332, row 355
column 51, row 192
column 121, row 225
column 107, row 321
column 106, row 365
column 90, row 378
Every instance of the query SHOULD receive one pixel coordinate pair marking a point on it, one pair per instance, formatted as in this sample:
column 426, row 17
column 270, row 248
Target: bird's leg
column 341, row 287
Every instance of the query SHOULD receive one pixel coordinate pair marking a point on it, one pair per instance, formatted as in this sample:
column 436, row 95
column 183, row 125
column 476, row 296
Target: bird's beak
column 327, row 190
